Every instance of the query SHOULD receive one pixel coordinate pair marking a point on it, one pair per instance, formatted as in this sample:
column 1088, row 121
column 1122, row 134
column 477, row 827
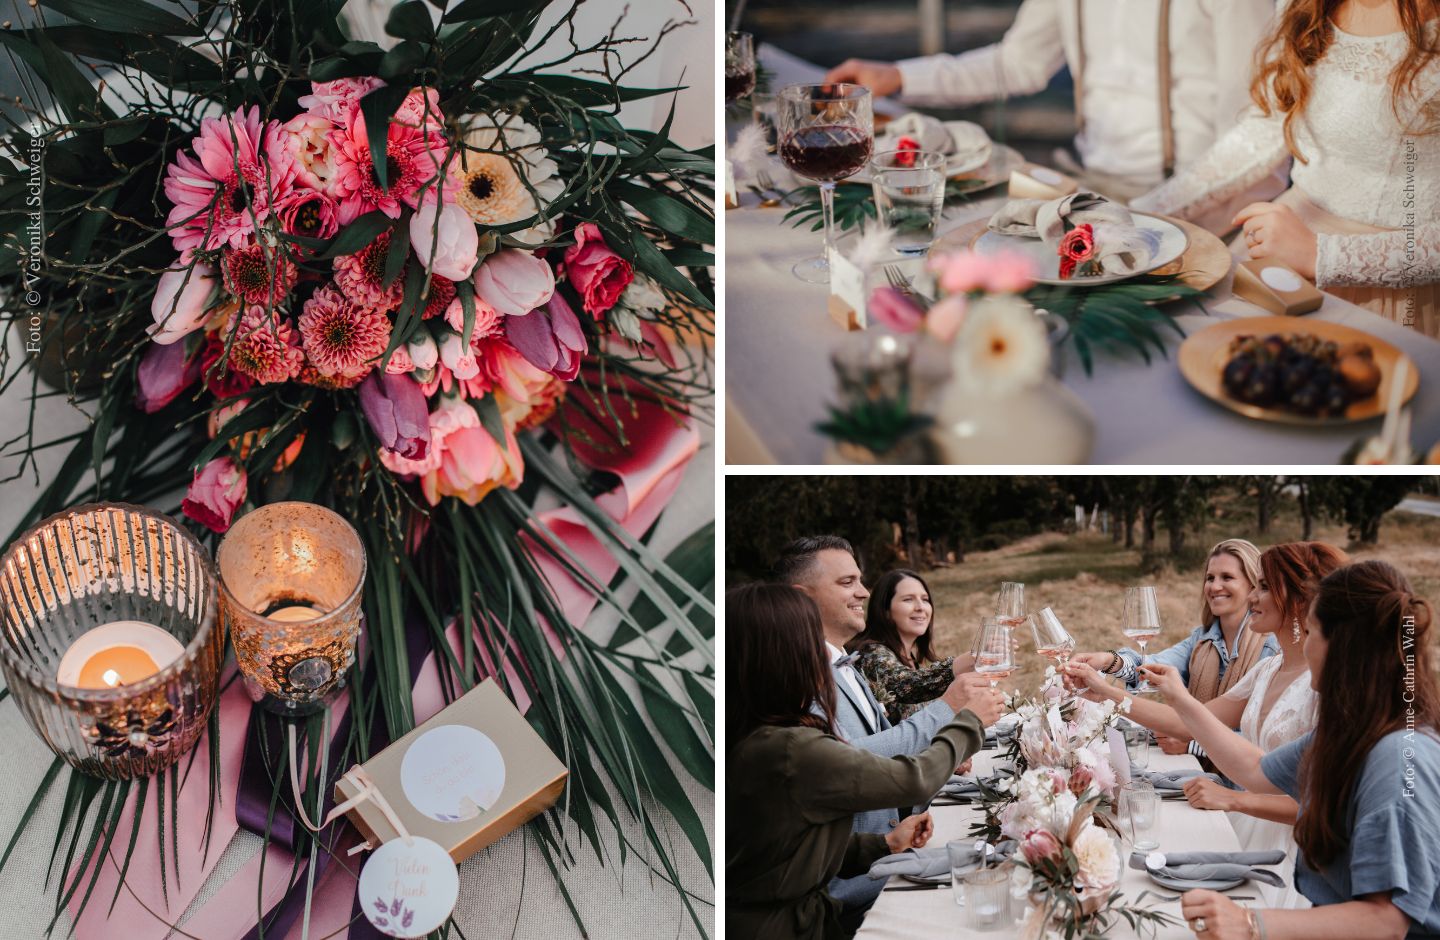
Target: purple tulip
column 895, row 310
column 396, row 409
column 165, row 371
column 549, row 338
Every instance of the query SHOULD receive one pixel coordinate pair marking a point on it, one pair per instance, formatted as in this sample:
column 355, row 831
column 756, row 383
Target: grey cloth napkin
column 960, row 786
column 933, row 861
column 1215, row 866
column 1122, row 248
column 1173, row 780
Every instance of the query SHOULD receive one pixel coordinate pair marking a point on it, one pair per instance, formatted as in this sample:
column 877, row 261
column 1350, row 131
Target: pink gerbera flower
column 342, row 338
column 258, row 275
column 413, row 157
column 222, row 192
column 265, row 348
column 361, row 276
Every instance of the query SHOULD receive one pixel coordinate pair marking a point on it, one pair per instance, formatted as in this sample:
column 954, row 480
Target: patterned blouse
column 901, row 690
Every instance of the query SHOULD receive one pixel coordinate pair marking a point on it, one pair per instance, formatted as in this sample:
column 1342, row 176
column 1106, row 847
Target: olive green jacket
column 791, row 796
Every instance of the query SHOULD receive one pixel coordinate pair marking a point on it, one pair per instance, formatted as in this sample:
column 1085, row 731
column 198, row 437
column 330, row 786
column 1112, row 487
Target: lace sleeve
column 1249, row 152
column 1398, row 259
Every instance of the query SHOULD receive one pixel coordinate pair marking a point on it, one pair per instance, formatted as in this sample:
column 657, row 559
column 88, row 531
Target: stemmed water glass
column 1142, row 624
column 994, row 659
column 739, row 65
column 1052, row 640
column 826, row 134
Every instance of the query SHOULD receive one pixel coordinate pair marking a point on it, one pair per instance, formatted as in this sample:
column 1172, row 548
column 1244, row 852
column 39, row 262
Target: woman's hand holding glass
column 1080, row 675
column 1166, row 680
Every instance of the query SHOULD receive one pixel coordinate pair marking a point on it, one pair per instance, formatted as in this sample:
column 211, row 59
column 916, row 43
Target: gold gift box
column 534, row 778
column 1276, row 288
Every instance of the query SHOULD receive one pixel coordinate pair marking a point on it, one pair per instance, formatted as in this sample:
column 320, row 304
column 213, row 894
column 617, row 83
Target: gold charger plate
column 1203, row 356
column 1204, row 264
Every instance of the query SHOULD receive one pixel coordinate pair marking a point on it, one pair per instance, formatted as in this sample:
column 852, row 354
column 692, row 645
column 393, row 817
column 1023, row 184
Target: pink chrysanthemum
column 258, row 275
column 265, row 348
column 361, row 276
column 342, row 338
column 222, row 192
column 336, row 101
column 442, row 291
column 413, row 156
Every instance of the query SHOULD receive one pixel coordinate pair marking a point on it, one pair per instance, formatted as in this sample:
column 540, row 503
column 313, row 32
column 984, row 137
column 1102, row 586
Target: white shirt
column 1211, row 44
column 852, row 679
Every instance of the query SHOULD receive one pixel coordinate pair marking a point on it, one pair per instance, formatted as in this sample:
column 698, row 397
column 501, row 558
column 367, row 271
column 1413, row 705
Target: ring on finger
column 1198, row 925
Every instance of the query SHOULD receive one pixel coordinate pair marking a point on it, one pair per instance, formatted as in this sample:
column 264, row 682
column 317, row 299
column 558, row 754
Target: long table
column 778, row 338
column 906, row 915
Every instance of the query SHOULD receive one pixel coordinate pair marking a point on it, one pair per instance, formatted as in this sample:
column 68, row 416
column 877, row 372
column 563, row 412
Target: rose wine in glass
column 1142, row 624
column 826, row 134
column 1052, row 640
column 739, row 65
column 993, row 659
column 1010, row 604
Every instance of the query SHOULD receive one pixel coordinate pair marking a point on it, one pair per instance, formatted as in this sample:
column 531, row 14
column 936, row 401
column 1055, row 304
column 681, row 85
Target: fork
column 767, row 185
column 897, row 280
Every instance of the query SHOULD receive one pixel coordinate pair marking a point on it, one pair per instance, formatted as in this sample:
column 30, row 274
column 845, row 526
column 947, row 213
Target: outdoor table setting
column 1165, row 374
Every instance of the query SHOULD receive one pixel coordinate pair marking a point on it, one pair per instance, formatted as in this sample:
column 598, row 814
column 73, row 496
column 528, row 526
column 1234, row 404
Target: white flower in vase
column 1002, row 348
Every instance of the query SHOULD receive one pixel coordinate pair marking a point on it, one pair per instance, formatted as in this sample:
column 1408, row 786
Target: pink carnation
column 341, row 338
column 336, row 101
column 305, row 139
column 487, row 319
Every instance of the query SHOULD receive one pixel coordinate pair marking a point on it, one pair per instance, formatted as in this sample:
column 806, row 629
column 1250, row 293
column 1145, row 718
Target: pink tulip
column 423, row 351
column 455, row 241
column 472, row 463
column 598, row 273
column 549, row 338
column 180, row 303
column 397, row 412
column 896, row 310
column 1040, row 845
column 165, row 371
column 514, row 282
column 945, row 318
column 215, row 493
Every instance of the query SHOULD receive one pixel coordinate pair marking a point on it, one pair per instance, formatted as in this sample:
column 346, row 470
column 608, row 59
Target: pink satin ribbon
column 650, row 471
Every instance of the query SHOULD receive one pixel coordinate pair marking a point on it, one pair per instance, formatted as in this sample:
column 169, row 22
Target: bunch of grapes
column 1301, row 373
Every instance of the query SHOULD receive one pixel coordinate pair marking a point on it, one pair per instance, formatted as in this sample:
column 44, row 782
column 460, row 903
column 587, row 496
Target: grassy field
column 1083, row 578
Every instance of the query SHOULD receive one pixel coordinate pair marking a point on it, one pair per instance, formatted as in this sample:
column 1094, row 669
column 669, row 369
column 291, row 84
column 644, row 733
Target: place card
column 1276, row 288
column 847, row 291
column 1038, row 182
column 469, row 776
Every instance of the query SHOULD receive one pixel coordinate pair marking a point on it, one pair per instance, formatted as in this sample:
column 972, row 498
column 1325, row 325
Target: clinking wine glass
column 993, row 659
column 1010, row 604
column 1052, row 640
column 739, row 65
column 826, row 134
column 1142, row 624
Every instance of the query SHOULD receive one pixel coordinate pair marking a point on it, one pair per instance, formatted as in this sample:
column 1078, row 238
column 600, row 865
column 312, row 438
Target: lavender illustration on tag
column 395, row 910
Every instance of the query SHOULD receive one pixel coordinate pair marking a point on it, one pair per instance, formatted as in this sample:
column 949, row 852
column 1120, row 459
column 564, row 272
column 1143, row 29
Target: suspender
column 1167, row 130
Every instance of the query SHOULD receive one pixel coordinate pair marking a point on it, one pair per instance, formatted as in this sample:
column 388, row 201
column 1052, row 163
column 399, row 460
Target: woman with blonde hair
column 1347, row 88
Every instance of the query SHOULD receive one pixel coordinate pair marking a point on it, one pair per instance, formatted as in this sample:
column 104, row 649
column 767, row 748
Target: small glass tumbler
column 909, row 188
column 1140, row 811
column 987, row 898
column 83, row 569
column 291, row 581
column 1137, row 745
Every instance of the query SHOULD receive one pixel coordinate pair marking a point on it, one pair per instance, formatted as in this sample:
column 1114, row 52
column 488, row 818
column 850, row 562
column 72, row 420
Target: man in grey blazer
column 825, row 568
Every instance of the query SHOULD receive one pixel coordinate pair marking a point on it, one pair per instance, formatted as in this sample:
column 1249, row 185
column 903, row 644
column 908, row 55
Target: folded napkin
column 934, row 861
column 1211, row 866
column 1121, row 247
column 956, row 139
column 960, row 786
column 1173, row 780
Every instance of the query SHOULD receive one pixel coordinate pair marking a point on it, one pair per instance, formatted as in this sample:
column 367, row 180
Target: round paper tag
column 409, row 890
column 452, row 773
column 1155, row 861
column 1280, row 278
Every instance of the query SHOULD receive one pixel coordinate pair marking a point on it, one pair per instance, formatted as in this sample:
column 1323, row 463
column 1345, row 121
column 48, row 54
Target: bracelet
column 1114, row 661
column 1257, row 924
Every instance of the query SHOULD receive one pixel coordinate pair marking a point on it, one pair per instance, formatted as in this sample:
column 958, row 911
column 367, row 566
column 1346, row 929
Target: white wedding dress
column 1370, row 188
column 1292, row 715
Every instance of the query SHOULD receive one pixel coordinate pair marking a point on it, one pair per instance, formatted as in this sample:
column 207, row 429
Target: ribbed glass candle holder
column 291, row 581
column 95, row 565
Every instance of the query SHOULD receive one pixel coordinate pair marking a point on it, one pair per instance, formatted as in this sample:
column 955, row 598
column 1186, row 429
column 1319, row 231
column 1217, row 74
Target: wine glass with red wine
column 826, row 134
column 739, row 66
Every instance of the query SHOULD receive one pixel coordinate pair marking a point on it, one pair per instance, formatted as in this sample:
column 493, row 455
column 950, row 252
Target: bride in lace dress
column 1354, row 98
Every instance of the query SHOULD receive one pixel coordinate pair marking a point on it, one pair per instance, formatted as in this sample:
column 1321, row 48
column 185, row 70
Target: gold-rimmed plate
column 1203, row 356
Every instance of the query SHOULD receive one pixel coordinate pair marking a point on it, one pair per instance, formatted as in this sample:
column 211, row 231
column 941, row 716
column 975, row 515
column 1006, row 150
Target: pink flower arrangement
column 961, row 277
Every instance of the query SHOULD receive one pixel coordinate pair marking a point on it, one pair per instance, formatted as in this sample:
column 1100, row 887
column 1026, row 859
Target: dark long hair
column 1293, row 571
column 1375, row 656
column 880, row 628
column 777, row 667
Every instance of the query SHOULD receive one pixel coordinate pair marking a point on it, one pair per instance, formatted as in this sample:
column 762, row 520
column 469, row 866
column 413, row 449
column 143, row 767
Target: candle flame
column 111, row 677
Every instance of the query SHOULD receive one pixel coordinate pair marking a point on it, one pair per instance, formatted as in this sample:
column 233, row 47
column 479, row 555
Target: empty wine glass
column 993, row 658
column 739, row 65
column 826, row 134
column 1052, row 640
column 1142, row 624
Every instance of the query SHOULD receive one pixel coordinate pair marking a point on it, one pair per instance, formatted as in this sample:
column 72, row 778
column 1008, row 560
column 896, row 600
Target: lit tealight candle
column 118, row 653
column 297, row 613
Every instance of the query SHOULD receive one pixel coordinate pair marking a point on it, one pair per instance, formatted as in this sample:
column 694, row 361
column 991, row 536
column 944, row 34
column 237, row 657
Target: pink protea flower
column 342, row 338
column 216, row 191
column 336, row 101
column 442, row 291
column 487, row 319
column 258, row 275
column 361, row 276
column 414, row 156
column 308, row 213
column 264, row 347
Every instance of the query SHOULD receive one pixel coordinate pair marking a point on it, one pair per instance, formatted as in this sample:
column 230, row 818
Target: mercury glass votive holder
column 94, row 567
column 291, row 580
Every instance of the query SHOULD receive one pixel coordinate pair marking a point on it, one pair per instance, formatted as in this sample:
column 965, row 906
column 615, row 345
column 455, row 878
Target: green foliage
column 878, row 426
column 1117, row 317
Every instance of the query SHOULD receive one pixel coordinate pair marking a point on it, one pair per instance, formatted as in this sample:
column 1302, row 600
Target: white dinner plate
column 1179, row 884
column 1173, row 242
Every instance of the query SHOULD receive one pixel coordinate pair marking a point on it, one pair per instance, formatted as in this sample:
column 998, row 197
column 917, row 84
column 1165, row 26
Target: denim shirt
column 1179, row 654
